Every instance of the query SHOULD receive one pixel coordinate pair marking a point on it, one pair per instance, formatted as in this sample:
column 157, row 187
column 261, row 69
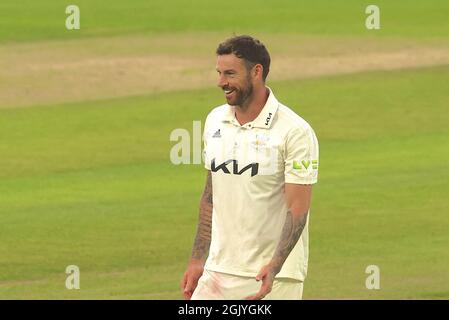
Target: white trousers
column 221, row 286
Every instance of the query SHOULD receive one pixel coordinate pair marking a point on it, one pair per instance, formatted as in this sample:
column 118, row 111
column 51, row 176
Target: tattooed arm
column 298, row 201
column 202, row 241
column 203, row 234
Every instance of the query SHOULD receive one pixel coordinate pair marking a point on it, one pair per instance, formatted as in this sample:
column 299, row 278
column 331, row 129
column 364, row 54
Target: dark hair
column 249, row 49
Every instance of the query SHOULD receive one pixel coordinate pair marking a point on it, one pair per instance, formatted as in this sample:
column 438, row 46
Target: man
column 262, row 159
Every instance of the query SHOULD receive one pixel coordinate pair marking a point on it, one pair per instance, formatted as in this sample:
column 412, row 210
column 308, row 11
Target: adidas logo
column 217, row 134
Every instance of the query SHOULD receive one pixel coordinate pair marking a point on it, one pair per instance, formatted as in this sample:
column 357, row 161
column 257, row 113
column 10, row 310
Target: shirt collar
column 265, row 117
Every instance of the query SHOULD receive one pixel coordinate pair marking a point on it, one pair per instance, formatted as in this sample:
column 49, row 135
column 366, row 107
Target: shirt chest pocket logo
column 259, row 141
column 264, row 151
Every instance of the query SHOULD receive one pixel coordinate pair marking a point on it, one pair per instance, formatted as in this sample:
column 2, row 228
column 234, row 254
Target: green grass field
column 85, row 176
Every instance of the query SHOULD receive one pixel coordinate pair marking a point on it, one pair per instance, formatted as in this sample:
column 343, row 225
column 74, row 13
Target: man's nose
column 222, row 81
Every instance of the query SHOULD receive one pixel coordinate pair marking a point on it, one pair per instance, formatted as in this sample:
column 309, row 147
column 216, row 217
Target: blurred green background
column 86, row 115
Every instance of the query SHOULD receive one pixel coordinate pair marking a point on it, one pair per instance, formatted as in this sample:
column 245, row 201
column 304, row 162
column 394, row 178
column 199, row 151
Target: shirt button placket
column 236, row 143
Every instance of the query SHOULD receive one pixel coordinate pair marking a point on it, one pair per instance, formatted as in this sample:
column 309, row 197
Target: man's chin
column 234, row 100
column 231, row 102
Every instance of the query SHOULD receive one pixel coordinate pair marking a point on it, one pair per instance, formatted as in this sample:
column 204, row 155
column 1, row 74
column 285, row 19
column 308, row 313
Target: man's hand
column 266, row 274
column 191, row 276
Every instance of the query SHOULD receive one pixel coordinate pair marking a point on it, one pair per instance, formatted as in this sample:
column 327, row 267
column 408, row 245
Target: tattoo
column 290, row 235
column 207, row 194
column 203, row 234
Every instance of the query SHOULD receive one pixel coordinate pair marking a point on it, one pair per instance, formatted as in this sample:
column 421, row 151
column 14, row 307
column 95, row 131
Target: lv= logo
column 305, row 164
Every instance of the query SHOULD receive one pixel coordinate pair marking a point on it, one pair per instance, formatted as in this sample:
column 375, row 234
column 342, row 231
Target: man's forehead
column 229, row 61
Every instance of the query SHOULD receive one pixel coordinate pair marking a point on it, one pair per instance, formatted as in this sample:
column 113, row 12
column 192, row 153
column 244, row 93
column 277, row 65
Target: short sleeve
column 301, row 156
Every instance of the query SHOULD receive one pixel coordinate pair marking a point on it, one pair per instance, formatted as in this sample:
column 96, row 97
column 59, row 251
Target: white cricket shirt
column 250, row 164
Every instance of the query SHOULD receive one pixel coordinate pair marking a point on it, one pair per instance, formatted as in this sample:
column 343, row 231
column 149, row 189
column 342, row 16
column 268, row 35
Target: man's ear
column 258, row 71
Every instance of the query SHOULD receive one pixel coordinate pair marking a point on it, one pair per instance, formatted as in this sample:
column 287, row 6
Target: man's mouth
column 228, row 92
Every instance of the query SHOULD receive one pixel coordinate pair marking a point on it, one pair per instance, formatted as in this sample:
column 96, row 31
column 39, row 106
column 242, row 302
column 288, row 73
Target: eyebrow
column 226, row 71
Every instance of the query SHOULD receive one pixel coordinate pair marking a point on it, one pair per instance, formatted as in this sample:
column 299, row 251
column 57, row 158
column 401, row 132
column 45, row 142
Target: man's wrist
column 275, row 266
column 194, row 260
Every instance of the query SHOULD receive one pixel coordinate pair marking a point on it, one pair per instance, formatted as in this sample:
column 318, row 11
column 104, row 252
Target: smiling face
column 234, row 79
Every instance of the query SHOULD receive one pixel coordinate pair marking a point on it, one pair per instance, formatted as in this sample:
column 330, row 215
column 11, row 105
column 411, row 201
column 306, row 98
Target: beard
column 240, row 97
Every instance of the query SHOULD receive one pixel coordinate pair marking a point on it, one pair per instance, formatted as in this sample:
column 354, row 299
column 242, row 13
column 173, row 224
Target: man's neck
column 248, row 113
